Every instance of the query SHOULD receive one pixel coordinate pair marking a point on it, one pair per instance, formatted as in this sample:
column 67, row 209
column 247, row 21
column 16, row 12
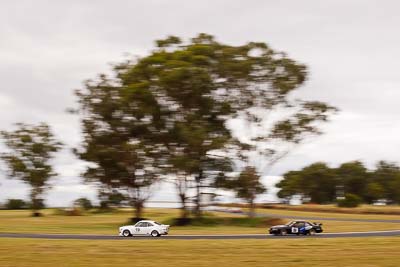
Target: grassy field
column 290, row 252
column 331, row 214
column 108, row 223
column 363, row 209
column 105, row 223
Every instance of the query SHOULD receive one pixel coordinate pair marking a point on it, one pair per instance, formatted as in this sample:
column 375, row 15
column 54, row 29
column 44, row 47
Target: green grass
column 279, row 252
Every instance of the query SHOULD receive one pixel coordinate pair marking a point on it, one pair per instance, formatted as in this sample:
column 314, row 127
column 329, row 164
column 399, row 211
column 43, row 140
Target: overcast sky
column 48, row 48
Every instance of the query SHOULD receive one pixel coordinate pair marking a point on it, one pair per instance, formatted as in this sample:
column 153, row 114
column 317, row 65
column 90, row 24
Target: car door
column 150, row 227
column 141, row 228
column 302, row 227
column 294, row 229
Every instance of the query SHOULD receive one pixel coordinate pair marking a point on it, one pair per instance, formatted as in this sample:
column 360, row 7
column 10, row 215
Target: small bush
column 68, row 212
column 73, row 212
column 350, row 201
column 83, row 203
column 16, row 204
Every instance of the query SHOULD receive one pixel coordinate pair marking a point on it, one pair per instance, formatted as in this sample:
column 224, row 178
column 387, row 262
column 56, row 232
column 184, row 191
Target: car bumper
column 274, row 231
column 165, row 232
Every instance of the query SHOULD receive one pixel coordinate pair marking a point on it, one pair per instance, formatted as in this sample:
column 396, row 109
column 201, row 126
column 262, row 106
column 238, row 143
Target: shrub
column 350, row 201
column 83, row 203
column 68, row 212
column 16, row 204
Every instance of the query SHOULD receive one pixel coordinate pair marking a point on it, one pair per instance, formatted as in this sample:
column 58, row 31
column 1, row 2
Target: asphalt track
column 196, row 237
column 219, row 237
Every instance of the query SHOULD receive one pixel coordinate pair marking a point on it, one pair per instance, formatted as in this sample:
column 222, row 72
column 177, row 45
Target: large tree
column 387, row 174
column 179, row 99
column 353, row 176
column 247, row 186
column 323, row 184
column 121, row 125
column 30, row 149
column 316, row 182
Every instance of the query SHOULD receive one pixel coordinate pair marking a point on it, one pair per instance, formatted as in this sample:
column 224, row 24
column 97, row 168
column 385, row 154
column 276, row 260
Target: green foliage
column 166, row 113
column 316, row 181
column 30, row 149
column 83, row 203
column 375, row 191
column 350, row 201
column 246, row 185
column 16, row 204
column 323, row 184
column 354, row 177
column 387, row 174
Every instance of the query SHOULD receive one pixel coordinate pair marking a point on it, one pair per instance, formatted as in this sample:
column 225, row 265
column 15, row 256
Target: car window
column 308, row 224
column 149, row 224
column 157, row 223
column 142, row 224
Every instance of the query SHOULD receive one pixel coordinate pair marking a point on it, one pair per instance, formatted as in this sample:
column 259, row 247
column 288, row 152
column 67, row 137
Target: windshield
column 157, row 223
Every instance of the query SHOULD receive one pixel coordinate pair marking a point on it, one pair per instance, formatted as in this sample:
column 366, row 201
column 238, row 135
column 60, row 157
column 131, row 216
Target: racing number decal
column 137, row 229
column 295, row 230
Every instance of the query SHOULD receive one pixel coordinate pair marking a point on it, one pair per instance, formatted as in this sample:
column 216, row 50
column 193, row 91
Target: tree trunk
column 184, row 212
column 138, row 209
column 35, row 203
column 252, row 208
column 197, row 210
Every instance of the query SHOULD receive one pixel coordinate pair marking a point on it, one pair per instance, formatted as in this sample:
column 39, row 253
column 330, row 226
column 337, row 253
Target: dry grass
column 108, row 223
column 363, row 209
column 331, row 214
column 290, row 252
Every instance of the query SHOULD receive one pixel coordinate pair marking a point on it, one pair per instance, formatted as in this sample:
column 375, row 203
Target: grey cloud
column 47, row 48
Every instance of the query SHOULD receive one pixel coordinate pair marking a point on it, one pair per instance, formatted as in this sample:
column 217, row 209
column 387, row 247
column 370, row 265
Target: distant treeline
column 322, row 184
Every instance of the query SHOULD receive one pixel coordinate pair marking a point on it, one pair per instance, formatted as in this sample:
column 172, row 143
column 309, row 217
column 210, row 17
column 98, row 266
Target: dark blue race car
column 297, row 228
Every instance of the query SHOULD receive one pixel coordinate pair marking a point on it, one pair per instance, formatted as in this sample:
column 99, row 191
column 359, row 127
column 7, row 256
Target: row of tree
column 320, row 183
column 168, row 116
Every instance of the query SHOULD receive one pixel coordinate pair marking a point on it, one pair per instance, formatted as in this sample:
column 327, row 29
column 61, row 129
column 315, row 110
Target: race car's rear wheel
column 155, row 233
column 126, row 233
column 311, row 232
column 283, row 232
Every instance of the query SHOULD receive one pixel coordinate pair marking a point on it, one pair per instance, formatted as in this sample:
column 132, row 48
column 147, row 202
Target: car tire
column 312, row 232
column 154, row 233
column 283, row 232
column 126, row 233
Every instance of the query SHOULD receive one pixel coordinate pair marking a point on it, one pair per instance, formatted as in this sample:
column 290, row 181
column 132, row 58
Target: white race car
column 144, row 227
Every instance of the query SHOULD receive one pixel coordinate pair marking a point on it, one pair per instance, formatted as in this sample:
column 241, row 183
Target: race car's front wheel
column 126, row 233
column 283, row 232
column 311, row 232
column 155, row 233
